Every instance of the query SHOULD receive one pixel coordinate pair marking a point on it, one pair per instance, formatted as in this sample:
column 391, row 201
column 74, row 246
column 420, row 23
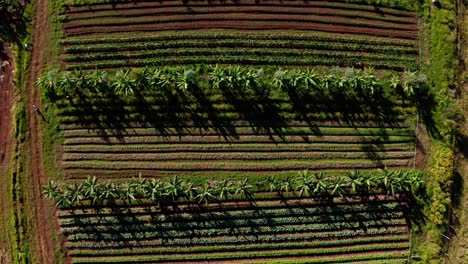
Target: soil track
column 42, row 232
column 6, row 100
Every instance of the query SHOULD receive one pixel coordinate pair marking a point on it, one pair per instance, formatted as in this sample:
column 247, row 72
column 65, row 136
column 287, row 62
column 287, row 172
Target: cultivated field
column 313, row 231
column 287, row 33
column 210, row 91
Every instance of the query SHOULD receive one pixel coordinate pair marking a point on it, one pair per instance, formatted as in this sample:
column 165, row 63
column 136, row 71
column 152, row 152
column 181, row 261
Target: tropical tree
column 92, row 189
column 356, row 180
column 123, row 83
column 304, row 183
column 174, row 188
column 49, row 82
column 271, row 183
column 99, row 81
column 51, row 190
column 217, row 77
column 286, row 184
column 109, row 192
column 205, row 195
column 320, row 183
column 127, row 192
column 225, row 189
column 186, row 80
column 75, row 192
column 339, row 186
column 154, row 190
column 244, row 189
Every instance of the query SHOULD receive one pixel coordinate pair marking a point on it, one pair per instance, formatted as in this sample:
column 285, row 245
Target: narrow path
column 43, row 235
column 6, row 143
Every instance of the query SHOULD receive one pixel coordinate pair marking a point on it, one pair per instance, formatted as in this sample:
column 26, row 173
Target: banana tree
column 244, row 189
column 51, row 190
column 123, row 83
column 205, row 195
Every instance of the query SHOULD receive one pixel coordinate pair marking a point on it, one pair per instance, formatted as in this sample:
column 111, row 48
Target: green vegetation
column 305, row 185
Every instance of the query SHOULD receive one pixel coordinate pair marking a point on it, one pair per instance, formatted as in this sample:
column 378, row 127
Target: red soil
column 191, row 4
column 243, row 25
column 42, row 229
column 6, row 101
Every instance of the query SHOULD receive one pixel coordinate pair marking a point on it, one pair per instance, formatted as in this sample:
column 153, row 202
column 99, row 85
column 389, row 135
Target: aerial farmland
column 266, row 131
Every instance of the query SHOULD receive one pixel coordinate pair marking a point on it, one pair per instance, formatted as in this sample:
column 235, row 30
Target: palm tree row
column 306, row 184
column 233, row 79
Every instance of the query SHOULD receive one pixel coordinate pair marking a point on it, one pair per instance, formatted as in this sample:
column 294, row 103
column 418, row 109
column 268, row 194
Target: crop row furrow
column 249, row 247
column 156, row 232
column 247, row 239
column 285, row 130
column 97, row 51
column 356, row 61
column 242, row 9
column 272, row 209
column 236, row 156
column 77, row 6
column 250, row 255
column 297, row 147
column 224, row 36
column 77, row 224
column 240, row 139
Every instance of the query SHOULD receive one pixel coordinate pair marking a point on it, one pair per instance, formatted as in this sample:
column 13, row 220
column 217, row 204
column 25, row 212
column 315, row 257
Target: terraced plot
column 371, row 228
column 288, row 33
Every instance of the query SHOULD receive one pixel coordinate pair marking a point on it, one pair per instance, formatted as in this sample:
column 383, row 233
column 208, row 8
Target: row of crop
column 231, row 10
column 232, row 110
column 238, row 166
column 208, row 139
column 84, row 50
column 238, row 248
column 318, row 8
column 237, row 224
column 265, row 203
column 291, row 55
column 247, row 239
column 306, row 184
column 226, row 120
column 225, row 36
column 235, row 217
column 105, row 215
column 155, row 232
column 88, row 224
column 258, row 156
column 187, row 17
column 260, row 117
column 245, row 60
column 128, row 125
column 222, row 102
column 203, row 148
column 248, row 247
column 175, row 53
column 397, row 7
column 284, row 130
column 234, row 80
column 249, row 255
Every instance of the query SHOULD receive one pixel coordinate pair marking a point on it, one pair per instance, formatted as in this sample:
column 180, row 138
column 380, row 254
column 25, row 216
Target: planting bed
column 288, row 33
column 122, row 141
column 366, row 228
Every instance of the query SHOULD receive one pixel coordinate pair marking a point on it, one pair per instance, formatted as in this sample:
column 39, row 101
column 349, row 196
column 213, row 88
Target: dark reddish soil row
column 164, row 11
column 6, row 102
column 243, row 25
column 231, row 17
column 275, row 3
